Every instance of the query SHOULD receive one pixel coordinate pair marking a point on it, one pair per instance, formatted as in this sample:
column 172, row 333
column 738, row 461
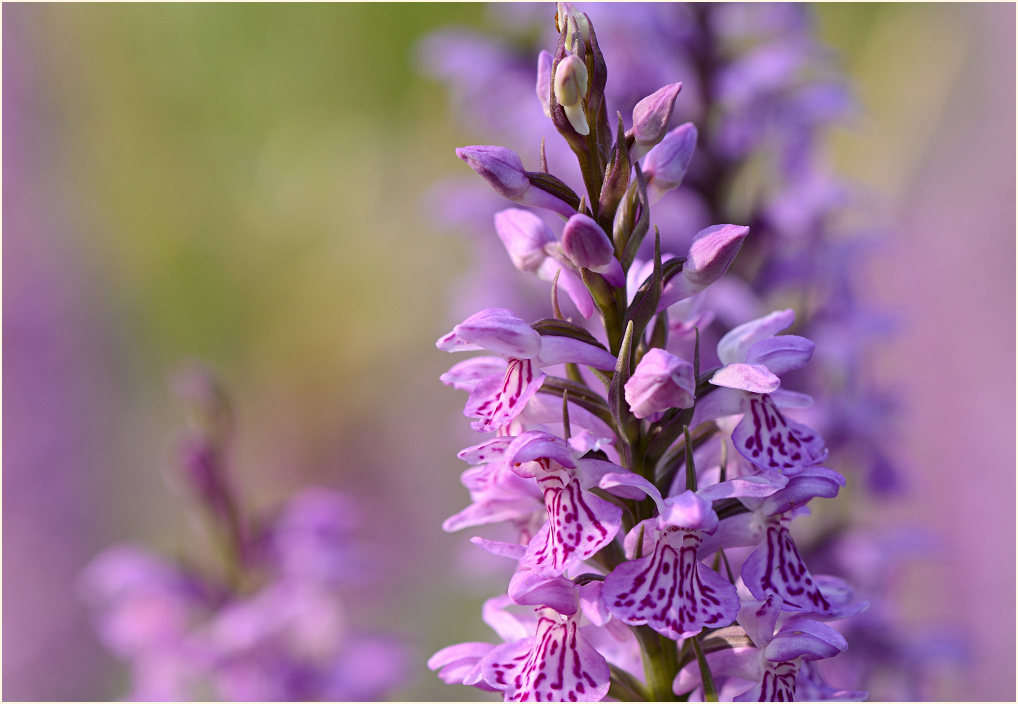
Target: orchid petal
column 498, row 495
column 498, row 548
column 579, row 524
column 736, row 343
column 769, row 440
column 559, row 349
column 535, row 445
column 592, row 470
column 805, row 638
column 585, row 243
column 720, row 402
column 777, row 684
column 776, row 566
column 500, row 330
column 754, row 378
column 612, row 272
column 509, row 626
column 540, row 588
column 758, row 619
column 689, row 512
column 756, row 485
column 742, row 663
column 460, row 663
column 451, row 342
column 783, row 398
column 487, row 451
column 811, row 483
column 650, row 118
column 496, row 405
column 739, row 530
column 631, row 479
column 524, row 235
column 543, row 87
column 660, row 381
column 465, row 375
column 781, row 354
column 592, row 603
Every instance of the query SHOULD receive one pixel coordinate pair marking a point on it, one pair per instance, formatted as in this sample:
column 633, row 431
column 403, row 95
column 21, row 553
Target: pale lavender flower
column 661, row 381
column 270, row 621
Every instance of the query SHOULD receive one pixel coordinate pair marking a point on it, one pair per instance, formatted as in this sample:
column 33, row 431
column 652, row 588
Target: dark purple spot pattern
column 778, row 683
column 500, row 408
column 559, row 666
column 670, row 590
column 579, row 523
column 769, row 440
column 776, row 566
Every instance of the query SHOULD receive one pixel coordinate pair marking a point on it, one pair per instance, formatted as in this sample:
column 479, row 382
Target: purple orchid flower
column 579, row 522
column 775, row 565
column 771, row 667
column 753, row 357
column 556, row 664
column 670, row 589
column 495, row 401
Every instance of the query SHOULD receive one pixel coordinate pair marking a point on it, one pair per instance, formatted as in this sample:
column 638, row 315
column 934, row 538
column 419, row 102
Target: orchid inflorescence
column 268, row 618
column 649, row 483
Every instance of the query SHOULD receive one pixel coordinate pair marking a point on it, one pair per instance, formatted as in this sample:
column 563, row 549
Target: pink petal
column 734, row 346
column 754, row 378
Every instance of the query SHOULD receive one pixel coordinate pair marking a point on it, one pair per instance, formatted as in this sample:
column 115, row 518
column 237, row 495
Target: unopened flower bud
column 661, row 381
column 573, row 23
column 712, row 252
column 709, row 257
column 587, row 246
column 503, row 170
column 585, row 243
column 666, row 164
column 650, row 118
column 524, row 236
column 570, row 88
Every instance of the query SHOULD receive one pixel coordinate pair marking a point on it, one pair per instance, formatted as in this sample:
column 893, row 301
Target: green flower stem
column 660, row 663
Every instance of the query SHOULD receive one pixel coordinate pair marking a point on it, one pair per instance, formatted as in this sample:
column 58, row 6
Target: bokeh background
column 243, row 184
